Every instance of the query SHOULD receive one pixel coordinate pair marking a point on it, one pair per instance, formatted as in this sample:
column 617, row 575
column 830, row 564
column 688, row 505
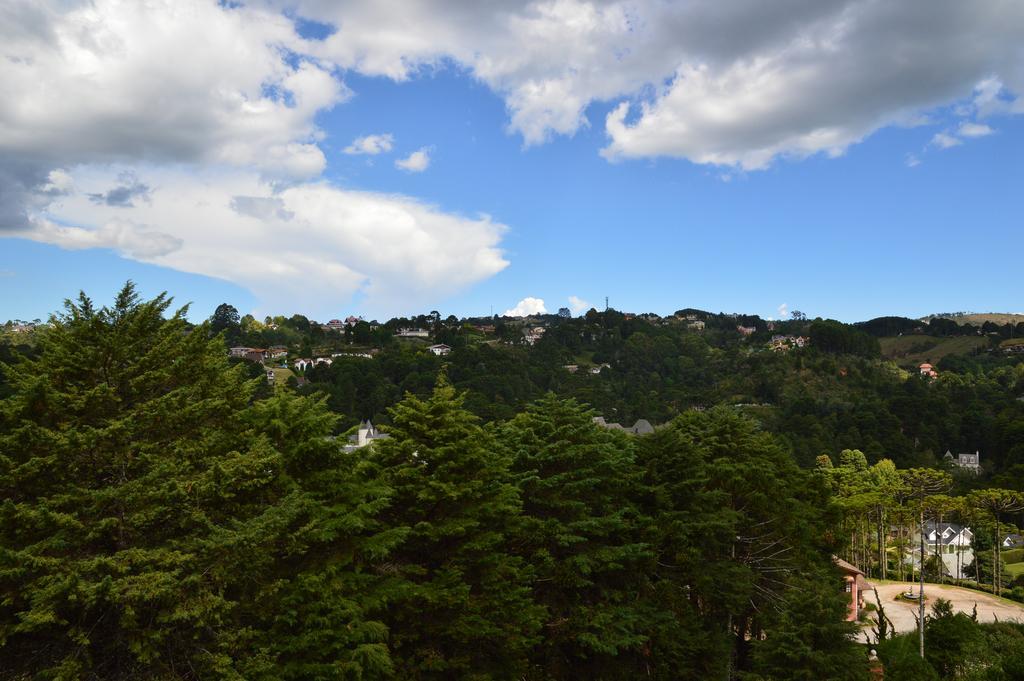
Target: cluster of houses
column 258, row 354
column 786, row 343
column 532, row 334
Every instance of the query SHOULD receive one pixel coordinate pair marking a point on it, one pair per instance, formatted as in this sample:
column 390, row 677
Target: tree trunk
column 920, row 593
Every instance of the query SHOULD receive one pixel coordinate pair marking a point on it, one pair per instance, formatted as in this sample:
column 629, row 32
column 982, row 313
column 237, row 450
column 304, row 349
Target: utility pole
column 606, row 303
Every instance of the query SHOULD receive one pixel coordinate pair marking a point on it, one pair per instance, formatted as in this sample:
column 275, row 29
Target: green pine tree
column 459, row 603
column 158, row 523
column 580, row 531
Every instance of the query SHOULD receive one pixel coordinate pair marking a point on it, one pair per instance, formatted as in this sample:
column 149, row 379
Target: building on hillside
column 333, row 325
column 641, row 427
column 413, row 333
column 360, row 355
column 440, row 349
column 928, row 371
column 967, row 462
column 1013, row 541
column 571, row 368
column 952, row 543
column 598, row 368
column 256, row 355
column 853, row 584
column 695, row 325
column 270, row 376
column 302, row 364
column 533, row 334
column 746, row 330
column 784, row 343
column 239, row 351
column 352, row 320
column 277, row 351
column 365, row 435
column 323, row 360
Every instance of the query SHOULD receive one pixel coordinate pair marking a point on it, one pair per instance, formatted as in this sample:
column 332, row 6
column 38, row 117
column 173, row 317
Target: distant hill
column 979, row 318
column 911, row 350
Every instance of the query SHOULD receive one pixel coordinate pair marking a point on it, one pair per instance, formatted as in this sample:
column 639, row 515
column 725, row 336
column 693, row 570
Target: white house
column 951, row 542
column 302, row 364
column 440, row 349
column 413, row 333
column 366, row 434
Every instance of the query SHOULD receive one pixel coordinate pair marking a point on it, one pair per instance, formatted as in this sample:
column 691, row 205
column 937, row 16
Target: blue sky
column 909, row 207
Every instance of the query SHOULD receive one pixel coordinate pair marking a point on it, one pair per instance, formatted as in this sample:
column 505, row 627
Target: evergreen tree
column 580, row 532
column 811, row 639
column 458, row 603
column 155, row 522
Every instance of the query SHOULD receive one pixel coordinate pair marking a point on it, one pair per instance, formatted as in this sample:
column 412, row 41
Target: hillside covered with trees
column 169, row 514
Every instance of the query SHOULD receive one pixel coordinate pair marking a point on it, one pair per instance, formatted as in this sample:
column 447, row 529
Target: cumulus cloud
column 944, row 140
column 183, row 133
column 526, row 307
column 371, row 144
column 912, row 161
column 416, row 162
column 167, row 81
column 304, row 247
column 736, row 83
column 968, row 129
column 578, row 305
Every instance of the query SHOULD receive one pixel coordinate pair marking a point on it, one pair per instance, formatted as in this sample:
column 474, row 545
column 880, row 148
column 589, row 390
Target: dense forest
column 168, row 514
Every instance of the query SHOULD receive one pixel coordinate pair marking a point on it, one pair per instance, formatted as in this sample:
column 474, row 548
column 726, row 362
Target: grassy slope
column 997, row 317
column 913, row 350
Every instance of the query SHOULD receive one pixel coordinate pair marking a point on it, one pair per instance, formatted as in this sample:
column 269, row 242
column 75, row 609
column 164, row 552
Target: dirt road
column 902, row 613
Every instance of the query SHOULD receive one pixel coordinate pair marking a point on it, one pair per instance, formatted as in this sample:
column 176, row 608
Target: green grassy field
column 912, row 350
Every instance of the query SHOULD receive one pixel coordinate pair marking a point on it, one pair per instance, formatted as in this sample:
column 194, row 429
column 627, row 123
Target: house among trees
column 641, row 427
column 413, row 333
column 366, row 434
column 440, row 349
column 533, row 334
column 277, row 351
column 1013, row 541
column 928, row 371
column 746, row 330
column 853, row 584
column 334, row 325
column 967, row 462
column 950, row 542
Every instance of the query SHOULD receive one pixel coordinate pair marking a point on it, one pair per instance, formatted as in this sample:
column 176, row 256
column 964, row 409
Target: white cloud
column 912, row 161
column 734, row 82
column 416, row 162
column 526, row 307
column 578, row 305
column 371, row 144
column 968, row 129
column 944, row 140
column 783, row 311
column 306, row 247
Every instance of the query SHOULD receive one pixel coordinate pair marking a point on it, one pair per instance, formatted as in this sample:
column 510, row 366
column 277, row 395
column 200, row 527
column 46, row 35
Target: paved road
column 902, row 612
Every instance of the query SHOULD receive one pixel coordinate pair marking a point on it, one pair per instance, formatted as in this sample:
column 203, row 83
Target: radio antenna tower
column 606, row 303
